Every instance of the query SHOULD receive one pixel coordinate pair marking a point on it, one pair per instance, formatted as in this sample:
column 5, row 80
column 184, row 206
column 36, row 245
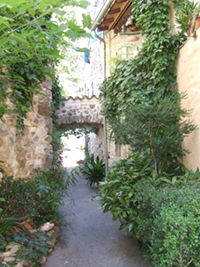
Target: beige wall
column 119, row 46
column 189, row 81
column 115, row 51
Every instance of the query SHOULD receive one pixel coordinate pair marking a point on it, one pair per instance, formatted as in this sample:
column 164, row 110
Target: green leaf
column 24, row 7
column 63, row 26
column 78, row 49
column 60, row 12
column 83, row 3
column 3, row 41
column 20, row 38
column 86, row 21
column 72, row 34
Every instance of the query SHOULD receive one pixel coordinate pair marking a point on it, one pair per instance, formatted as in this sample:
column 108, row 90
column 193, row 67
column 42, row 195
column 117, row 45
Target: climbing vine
column 141, row 101
column 31, row 34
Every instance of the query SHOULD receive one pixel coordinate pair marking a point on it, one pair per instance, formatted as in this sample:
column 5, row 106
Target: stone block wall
column 21, row 154
column 80, row 111
column 95, row 145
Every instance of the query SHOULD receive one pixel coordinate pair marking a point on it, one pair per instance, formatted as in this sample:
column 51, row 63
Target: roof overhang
column 113, row 15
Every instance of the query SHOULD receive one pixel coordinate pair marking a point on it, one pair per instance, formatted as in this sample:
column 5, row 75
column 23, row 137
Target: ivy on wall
column 141, row 103
column 29, row 48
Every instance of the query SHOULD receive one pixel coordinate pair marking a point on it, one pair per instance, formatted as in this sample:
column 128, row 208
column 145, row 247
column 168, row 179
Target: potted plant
column 93, row 170
column 187, row 16
column 197, row 24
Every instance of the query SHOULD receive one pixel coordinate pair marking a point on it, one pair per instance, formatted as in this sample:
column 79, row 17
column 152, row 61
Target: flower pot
column 134, row 28
column 197, row 24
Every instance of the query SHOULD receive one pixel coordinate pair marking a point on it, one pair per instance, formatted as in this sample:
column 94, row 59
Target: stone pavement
column 92, row 239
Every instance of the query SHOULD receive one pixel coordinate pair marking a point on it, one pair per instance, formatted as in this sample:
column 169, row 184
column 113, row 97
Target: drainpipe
column 104, row 118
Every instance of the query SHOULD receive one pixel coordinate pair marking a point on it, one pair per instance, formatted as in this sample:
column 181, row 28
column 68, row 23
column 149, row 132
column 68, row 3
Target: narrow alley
column 92, row 239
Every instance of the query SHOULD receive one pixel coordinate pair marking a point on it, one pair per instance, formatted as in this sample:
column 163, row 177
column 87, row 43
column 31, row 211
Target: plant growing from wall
column 141, row 92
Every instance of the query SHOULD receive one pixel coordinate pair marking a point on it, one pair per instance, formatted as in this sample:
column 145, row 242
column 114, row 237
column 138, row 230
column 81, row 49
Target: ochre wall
column 188, row 67
column 114, row 42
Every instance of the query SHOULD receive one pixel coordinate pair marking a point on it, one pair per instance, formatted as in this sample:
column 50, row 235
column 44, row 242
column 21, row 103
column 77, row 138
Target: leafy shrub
column 162, row 212
column 168, row 223
column 6, row 224
column 118, row 190
column 33, row 246
column 38, row 197
column 93, row 170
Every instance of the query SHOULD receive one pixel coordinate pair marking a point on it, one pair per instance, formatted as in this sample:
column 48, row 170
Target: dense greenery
column 141, row 103
column 162, row 212
column 118, row 190
column 151, row 192
column 38, row 197
column 30, row 35
column 93, row 170
column 168, row 222
column 186, row 14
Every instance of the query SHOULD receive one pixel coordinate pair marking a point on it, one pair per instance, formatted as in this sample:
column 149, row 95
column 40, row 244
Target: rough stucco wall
column 188, row 67
column 117, row 152
column 21, row 154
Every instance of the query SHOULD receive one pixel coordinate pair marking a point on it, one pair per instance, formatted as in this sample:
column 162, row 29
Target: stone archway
column 83, row 112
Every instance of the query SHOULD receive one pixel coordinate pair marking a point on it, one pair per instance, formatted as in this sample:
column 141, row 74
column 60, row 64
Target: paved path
column 92, row 239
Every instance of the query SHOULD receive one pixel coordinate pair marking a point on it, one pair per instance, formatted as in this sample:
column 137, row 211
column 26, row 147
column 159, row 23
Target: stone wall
column 83, row 112
column 188, row 77
column 80, row 111
column 21, row 154
column 95, row 145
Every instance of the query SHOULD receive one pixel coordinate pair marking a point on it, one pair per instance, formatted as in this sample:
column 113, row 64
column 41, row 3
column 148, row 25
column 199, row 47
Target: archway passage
column 80, row 111
column 83, row 112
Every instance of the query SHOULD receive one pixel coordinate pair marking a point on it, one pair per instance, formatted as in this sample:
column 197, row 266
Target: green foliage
column 118, row 190
column 186, row 12
column 7, row 224
column 141, row 103
column 29, row 48
column 33, row 246
column 162, row 212
column 93, row 170
column 157, row 127
column 168, row 223
column 38, row 197
column 57, row 99
column 153, row 195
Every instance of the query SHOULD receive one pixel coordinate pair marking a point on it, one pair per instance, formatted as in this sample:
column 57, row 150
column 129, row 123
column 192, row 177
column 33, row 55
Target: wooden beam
column 108, row 21
column 120, row 1
column 114, row 11
column 103, row 28
column 123, row 19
